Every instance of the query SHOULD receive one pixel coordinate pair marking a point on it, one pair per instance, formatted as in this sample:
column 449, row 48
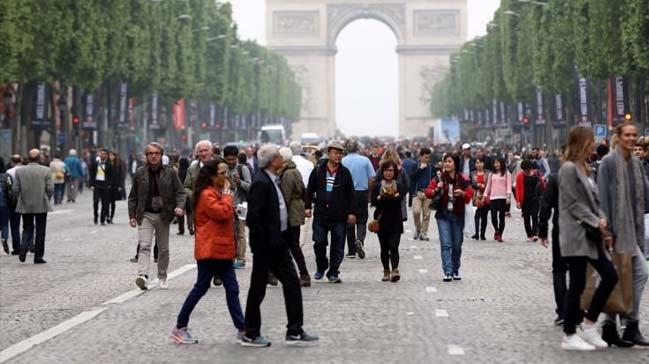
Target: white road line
column 455, row 350
column 61, row 212
column 431, row 289
column 414, row 247
column 418, row 257
column 93, row 232
column 410, row 313
column 77, row 320
column 423, row 271
column 48, row 334
column 441, row 313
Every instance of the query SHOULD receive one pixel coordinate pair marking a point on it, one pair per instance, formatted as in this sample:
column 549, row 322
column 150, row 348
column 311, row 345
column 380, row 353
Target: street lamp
column 184, row 17
column 511, row 13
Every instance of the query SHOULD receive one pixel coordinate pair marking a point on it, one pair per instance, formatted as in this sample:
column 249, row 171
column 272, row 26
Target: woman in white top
column 499, row 193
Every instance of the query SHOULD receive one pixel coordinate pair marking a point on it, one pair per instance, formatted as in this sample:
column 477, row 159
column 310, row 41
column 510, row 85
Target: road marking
column 423, row 271
column 48, row 334
column 410, row 313
column 77, row 320
column 431, row 289
column 455, row 350
column 418, row 257
column 93, row 232
column 408, row 231
column 61, row 212
column 414, row 247
column 441, row 313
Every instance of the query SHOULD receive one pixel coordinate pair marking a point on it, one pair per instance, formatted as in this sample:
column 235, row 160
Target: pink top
column 499, row 187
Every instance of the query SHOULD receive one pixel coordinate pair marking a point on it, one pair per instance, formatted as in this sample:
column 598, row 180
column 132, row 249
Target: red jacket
column 461, row 182
column 214, row 222
column 520, row 185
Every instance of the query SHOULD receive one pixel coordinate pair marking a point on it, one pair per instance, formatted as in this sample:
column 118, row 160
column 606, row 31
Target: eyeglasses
column 153, row 153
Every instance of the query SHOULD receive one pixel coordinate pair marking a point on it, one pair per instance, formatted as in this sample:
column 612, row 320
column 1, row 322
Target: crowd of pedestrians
column 267, row 198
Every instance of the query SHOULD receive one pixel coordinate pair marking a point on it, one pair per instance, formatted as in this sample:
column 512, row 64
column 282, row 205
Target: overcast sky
column 365, row 104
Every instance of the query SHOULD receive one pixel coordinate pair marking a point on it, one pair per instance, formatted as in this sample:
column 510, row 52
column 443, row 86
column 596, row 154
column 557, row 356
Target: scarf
column 628, row 224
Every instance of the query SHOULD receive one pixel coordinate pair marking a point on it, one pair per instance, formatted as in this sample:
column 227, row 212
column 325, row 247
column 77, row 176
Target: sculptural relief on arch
column 305, row 32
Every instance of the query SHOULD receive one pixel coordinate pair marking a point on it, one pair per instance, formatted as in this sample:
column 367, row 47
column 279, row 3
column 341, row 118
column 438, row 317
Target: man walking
column 75, row 173
column 420, row 205
column 269, row 240
column 332, row 187
column 241, row 181
column 156, row 196
column 33, row 187
column 100, row 176
column 363, row 175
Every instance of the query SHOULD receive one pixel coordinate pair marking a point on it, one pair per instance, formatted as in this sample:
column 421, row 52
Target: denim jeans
column 206, row 270
column 450, row 228
column 322, row 227
column 59, row 192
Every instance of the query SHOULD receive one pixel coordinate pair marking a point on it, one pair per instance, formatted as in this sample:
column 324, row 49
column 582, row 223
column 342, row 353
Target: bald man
column 33, row 186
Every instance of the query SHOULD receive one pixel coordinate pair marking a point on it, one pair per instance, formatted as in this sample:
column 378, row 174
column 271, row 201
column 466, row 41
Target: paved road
column 501, row 312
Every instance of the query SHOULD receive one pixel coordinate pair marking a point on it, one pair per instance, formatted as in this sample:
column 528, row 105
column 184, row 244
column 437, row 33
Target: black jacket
column 549, row 202
column 263, row 215
column 93, row 173
column 342, row 203
column 388, row 209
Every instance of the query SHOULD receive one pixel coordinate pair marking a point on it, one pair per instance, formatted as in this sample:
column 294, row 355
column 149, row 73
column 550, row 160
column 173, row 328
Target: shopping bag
column 621, row 299
column 469, row 219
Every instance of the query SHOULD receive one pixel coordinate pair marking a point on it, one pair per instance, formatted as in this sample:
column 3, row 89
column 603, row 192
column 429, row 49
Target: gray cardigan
column 578, row 202
column 33, row 186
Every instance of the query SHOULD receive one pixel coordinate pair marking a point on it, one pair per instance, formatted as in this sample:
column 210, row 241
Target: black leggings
column 531, row 217
column 389, row 241
column 481, row 221
column 498, row 209
column 577, row 270
column 296, row 250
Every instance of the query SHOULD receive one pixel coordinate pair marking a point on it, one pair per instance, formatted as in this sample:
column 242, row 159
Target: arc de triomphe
column 305, row 32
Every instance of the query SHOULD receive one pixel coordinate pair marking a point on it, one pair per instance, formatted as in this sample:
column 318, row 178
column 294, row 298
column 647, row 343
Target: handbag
column 621, row 299
column 593, row 234
column 373, row 226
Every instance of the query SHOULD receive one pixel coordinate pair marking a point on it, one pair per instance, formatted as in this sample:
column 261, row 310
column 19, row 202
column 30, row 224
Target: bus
column 272, row 134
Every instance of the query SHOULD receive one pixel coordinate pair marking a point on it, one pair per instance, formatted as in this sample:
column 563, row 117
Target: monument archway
column 305, row 32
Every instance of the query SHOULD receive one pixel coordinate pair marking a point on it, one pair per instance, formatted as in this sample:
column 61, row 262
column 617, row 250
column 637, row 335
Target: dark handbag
column 373, row 225
column 593, row 234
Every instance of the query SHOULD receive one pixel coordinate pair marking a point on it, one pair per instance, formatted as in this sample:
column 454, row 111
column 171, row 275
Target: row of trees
column 175, row 48
column 548, row 45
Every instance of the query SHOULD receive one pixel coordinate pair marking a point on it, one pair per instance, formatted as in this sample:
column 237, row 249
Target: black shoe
column 103, row 223
column 272, row 280
column 22, row 255
column 360, row 249
column 611, row 336
column 217, row 281
column 134, row 260
column 632, row 333
column 448, row 278
column 15, row 252
column 180, row 233
column 559, row 321
column 95, row 221
column 191, row 231
column 39, row 261
column 475, row 237
column 302, row 339
column 5, row 246
column 110, row 221
column 483, row 238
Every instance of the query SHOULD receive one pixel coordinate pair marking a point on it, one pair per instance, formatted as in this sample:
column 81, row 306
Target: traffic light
column 76, row 122
column 203, row 125
column 526, row 120
column 628, row 117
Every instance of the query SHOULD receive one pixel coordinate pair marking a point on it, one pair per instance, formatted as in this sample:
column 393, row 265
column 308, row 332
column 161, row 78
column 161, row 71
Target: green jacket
column 190, row 179
column 293, row 189
column 171, row 191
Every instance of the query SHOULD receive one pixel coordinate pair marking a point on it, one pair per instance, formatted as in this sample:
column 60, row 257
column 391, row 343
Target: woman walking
column 450, row 193
column 118, row 176
column 214, row 247
column 583, row 231
column 529, row 187
column 387, row 196
column 479, row 179
column 499, row 193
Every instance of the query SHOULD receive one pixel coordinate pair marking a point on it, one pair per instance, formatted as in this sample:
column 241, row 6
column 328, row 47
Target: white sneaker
column 592, row 336
column 574, row 342
column 163, row 284
column 141, row 282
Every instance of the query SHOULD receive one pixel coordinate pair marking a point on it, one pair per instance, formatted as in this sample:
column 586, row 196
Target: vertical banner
column 487, row 117
column 558, row 100
column 178, row 111
column 89, row 121
column 503, row 114
column 540, row 119
column 40, row 114
column 494, row 115
column 583, row 101
column 122, row 110
column 212, row 116
column 153, row 114
column 132, row 122
column 521, row 112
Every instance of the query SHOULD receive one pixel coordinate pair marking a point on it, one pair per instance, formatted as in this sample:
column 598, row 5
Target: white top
column 304, row 167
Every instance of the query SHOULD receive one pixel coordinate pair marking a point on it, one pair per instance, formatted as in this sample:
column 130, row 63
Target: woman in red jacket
column 214, row 246
column 454, row 192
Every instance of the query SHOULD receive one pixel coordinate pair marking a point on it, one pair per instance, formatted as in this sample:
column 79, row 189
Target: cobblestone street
column 501, row 312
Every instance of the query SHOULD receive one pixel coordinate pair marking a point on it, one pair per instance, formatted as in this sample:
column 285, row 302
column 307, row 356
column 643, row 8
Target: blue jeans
column 322, row 227
column 206, row 270
column 4, row 222
column 59, row 192
column 450, row 228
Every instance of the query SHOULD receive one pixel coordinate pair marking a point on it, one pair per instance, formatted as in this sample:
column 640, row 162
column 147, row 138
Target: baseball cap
column 466, row 146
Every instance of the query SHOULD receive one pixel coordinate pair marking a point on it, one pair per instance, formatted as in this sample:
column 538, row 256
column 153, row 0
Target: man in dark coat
column 100, row 177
